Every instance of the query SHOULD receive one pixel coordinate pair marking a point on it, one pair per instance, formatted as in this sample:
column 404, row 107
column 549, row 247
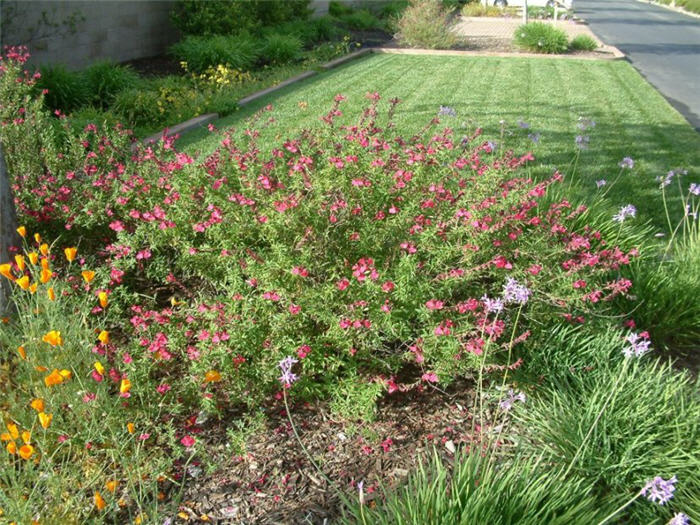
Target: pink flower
column 303, row 351
column 434, row 304
column 342, row 284
column 187, row 441
column 294, row 309
column 388, row 286
column 117, row 226
column 300, row 271
column 163, row 388
column 271, row 296
column 430, row 377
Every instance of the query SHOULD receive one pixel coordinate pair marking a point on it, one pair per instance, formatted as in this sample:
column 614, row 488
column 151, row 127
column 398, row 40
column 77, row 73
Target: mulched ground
column 274, row 482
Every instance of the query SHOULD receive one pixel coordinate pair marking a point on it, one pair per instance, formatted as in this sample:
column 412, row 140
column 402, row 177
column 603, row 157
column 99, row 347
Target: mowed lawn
column 632, row 118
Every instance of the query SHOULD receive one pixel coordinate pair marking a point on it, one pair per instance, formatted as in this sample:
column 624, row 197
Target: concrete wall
column 78, row 32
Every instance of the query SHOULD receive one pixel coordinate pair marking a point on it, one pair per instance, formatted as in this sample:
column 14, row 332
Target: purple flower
column 694, row 188
column 659, row 490
column 582, row 141
column 507, row 402
column 361, row 491
column 492, row 305
column 627, row 162
column 534, row 137
column 638, row 346
column 679, row 519
column 514, row 292
column 584, row 123
column 491, row 146
column 287, row 377
column 600, row 183
column 447, row 111
column 625, row 211
column 523, row 124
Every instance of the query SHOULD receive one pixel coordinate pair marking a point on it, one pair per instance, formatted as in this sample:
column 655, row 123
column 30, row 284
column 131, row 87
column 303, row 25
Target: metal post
column 525, row 12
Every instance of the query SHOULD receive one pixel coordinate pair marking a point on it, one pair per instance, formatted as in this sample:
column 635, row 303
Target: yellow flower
column 66, row 374
column 13, row 432
column 53, row 338
column 37, row 237
column 104, row 300
column 111, row 485
column 212, row 376
column 19, row 260
column 44, row 248
column 45, row 419
column 6, row 271
column 33, row 257
column 51, row 293
column 100, row 369
column 22, row 352
column 32, row 289
column 130, row 428
column 88, row 275
column 70, row 253
column 54, row 378
column 23, row 282
column 22, row 231
column 99, row 501
column 125, row 386
column 26, row 451
column 44, row 263
column 37, row 404
column 103, row 337
column 11, row 447
column 26, row 437
column 45, row 275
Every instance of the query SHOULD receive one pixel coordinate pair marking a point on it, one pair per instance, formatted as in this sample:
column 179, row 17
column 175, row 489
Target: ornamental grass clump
column 425, row 24
column 541, row 37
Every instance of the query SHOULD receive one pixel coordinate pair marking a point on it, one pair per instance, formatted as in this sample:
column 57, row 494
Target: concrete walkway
column 663, row 45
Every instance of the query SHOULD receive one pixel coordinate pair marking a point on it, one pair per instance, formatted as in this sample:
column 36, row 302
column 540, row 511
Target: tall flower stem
column 610, row 397
column 620, row 509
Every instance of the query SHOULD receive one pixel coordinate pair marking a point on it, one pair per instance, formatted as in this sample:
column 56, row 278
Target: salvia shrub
column 425, row 24
column 541, row 37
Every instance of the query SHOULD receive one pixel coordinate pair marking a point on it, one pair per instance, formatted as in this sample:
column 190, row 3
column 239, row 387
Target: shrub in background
column 425, row 24
column 361, row 20
column 105, row 79
column 281, row 49
column 583, row 43
column 66, row 90
column 199, row 52
column 479, row 9
column 230, row 17
column 540, row 37
column 337, row 8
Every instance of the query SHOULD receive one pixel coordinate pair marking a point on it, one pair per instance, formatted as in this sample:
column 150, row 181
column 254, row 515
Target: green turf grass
column 632, row 118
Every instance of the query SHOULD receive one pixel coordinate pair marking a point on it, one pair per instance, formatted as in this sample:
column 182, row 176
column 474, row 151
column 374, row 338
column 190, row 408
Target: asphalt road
column 663, row 45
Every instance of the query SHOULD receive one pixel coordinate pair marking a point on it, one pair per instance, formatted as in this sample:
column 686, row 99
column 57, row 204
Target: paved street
column 662, row 44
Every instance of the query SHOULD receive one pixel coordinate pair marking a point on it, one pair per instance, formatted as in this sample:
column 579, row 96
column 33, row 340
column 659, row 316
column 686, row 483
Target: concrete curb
column 609, row 50
column 347, row 58
column 259, row 94
column 677, row 9
column 183, row 127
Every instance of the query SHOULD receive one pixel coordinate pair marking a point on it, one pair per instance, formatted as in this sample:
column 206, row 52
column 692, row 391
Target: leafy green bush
column 583, row 43
column 540, row 37
column 425, row 24
column 479, row 9
column 66, row 89
column 393, row 9
column 361, row 20
column 280, row 49
column 239, row 52
column 104, row 119
column 337, row 8
column 105, row 79
column 138, row 107
column 231, row 17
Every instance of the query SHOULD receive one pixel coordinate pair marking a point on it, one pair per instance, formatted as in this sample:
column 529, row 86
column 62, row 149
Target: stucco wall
column 78, row 32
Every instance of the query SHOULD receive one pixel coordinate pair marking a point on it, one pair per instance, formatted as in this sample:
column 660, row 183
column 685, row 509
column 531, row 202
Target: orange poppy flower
column 19, row 261
column 54, row 378
column 37, row 237
column 66, row 374
column 88, row 275
column 26, row 437
column 53, row 338
column 26, row 451
column 14, row 431
column 45, row 275
column 99, row 501
column 22, row 231
column 22, row 352
column 44, row 263
column 130, row 428
column 212, row 376
column 51, row 293
column 45, row 419
column 41, row 369
column 6, row 271
column 32, row 289
column 33, row 257
column 23, row 282
column 44, row 248
column 125, row 386
column 11, row 447
column 103, row 337
column 104, row 299
column 37, row 404
column 70, row 253
column 111, row 485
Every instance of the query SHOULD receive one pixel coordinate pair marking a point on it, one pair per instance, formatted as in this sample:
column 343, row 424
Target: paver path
column 663, row 45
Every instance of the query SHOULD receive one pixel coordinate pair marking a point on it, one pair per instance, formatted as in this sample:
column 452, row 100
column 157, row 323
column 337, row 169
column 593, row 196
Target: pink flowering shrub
column 357, row 249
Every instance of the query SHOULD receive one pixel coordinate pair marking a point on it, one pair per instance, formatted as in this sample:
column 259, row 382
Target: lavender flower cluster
column 660, row 490
column 287, row 377
column 625, row 211
column 638, row 346
column 507, row 403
